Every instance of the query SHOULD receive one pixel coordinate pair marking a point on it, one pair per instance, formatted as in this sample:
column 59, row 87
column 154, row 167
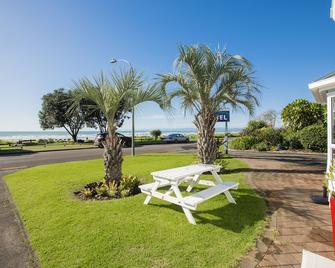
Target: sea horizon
column 90, row 134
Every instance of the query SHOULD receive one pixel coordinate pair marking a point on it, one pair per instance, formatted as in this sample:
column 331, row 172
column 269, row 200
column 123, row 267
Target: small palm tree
column 114, row 98
column 208, row 81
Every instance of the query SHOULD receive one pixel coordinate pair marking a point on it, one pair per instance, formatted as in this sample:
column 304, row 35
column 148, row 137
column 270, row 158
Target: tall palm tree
column 208, row 81
column 114, row 98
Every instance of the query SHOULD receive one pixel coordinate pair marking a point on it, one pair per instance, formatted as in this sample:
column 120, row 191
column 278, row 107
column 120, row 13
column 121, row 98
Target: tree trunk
column 74, row 137
column 113, row 158
column 205, row 123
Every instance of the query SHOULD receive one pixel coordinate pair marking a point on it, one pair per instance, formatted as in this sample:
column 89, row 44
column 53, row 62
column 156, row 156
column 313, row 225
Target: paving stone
column 267, row 261
column 298, row 222
column 285, row 259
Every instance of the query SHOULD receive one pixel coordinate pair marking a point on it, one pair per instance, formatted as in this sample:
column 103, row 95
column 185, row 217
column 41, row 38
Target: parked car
column 101, row 136
column 175, row 138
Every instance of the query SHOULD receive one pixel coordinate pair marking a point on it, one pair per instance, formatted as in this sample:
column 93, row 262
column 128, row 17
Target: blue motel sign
column 222, row 116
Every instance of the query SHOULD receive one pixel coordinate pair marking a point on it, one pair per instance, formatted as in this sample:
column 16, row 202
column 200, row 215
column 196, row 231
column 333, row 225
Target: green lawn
column 66, row 232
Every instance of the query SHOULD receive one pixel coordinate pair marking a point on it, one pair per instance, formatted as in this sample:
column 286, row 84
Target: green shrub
column 314, row 138
column 253, row 126
column 129, row 185
column 301, row 113
column 243, row 143
column 262, row 147
column 221, row 162
column 269, row 135
column 292, row 140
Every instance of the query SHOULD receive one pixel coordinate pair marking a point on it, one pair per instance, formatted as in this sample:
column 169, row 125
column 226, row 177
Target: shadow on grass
column 247, row 211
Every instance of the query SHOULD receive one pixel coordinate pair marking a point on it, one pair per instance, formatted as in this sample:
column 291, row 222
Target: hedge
column 314, row 138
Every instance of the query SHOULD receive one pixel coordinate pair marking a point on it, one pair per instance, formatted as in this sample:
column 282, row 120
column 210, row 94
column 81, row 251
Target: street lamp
column 132, row 110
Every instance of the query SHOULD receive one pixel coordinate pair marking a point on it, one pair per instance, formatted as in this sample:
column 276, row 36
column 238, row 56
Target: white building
column 323, row 90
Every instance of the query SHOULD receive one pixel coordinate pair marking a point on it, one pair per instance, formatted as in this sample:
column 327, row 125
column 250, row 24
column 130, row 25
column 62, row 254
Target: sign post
column 224, row 116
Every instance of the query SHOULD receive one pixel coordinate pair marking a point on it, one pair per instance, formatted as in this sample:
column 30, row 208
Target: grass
column 66, row 232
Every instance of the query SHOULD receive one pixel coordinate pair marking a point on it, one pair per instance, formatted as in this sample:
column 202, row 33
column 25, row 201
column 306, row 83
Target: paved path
column 15, row 250
column 287, row 181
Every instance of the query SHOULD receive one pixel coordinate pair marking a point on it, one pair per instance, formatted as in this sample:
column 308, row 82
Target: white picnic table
column 191, row 174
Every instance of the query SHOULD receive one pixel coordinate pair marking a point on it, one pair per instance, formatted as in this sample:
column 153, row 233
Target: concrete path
column 287, row 181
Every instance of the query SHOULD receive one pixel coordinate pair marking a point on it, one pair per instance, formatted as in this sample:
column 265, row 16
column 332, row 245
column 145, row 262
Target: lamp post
column 132, row 111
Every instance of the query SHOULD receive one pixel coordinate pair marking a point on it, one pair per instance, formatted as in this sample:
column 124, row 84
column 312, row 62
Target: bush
column 243, row 143
column 221, row 162
column 314, row 138
column 292, row 140
column 271, row 136
column 253, row 126
column 129, row 186
column 262, row 147
column 301, row 113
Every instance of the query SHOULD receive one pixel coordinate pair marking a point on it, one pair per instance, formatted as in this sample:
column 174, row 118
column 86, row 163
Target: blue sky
column 46, row 45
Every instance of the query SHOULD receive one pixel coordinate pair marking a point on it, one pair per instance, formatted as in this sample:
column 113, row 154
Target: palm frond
column 115, row 97
column 207, row 79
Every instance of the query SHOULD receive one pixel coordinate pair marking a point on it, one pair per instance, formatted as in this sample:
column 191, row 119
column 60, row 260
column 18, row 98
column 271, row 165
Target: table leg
column 154, row 188
column 216, row 176
column 193, row 182
column 229, row 197
column 187, row 212
column 226, row 193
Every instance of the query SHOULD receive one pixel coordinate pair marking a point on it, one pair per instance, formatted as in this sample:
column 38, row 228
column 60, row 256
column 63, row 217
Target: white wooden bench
column 191, row 174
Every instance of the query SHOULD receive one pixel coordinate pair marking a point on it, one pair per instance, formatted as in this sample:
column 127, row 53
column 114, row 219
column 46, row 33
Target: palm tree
column 208, row 81
column 114, row 98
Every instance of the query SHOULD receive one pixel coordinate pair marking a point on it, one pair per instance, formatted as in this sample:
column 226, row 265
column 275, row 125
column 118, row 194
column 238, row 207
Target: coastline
column 90, row 134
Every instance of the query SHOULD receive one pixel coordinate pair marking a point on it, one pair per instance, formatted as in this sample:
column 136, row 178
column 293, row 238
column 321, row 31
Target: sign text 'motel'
column 222, row 116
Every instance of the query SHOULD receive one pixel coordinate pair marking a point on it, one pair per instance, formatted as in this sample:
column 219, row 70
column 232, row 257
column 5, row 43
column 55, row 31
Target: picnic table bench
column 190, row 174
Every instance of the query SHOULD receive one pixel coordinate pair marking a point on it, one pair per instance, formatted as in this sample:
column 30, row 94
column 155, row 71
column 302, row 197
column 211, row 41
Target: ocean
column 90, row 134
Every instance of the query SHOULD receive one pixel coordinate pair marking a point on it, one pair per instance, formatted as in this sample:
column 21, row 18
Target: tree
column 54, row 112
column 114, row 98
column 253, row 126
column 269, row 117
column 208, row 81
column 302, row 113
column 156, row 133
column 93, row 117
